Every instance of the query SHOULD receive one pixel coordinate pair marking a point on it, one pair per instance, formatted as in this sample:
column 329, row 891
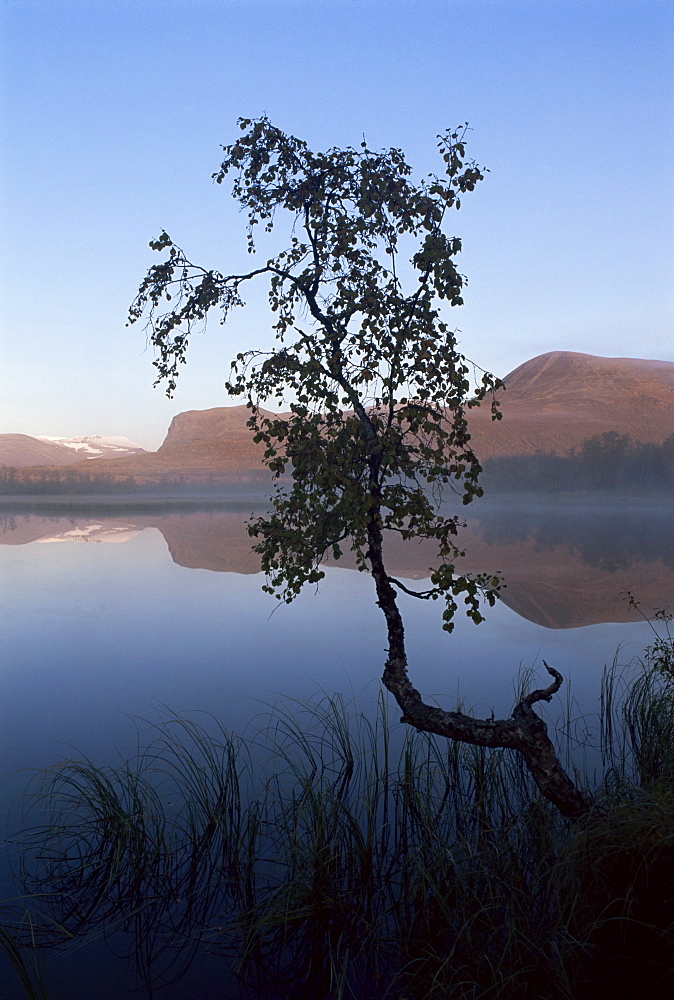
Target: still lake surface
column 111, row 616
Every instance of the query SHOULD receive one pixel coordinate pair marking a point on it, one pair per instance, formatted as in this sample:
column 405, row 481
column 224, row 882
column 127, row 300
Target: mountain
column 201, row 447
column 97, row 446
column 216, row 440
column 21, row 451
column 556, row 401
column 550, row 404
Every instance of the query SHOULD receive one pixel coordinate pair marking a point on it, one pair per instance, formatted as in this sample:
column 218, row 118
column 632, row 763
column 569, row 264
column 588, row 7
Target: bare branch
column 544, row 694
column 423, row 595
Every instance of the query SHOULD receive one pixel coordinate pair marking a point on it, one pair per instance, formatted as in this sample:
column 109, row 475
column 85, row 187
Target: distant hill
column 201, row 447
column 21, row 451
column 97, row 445
column 556, row 401
column 215, row 441
column 550, row 404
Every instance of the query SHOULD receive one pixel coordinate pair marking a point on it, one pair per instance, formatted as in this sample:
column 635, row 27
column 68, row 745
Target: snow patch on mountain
column 96, row 445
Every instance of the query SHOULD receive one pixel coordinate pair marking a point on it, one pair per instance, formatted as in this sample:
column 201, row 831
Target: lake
column 113, row 615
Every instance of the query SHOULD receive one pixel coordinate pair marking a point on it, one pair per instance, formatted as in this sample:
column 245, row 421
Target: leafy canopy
column 379, row 392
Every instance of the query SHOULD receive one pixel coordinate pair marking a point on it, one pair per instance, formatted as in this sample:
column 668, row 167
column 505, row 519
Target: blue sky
column 113, row 113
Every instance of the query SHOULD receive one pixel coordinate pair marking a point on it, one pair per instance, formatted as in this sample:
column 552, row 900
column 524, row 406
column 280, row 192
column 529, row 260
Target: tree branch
column 423, row 595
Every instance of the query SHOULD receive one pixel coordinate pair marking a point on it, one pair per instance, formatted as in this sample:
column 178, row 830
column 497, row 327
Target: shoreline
column 243, row 497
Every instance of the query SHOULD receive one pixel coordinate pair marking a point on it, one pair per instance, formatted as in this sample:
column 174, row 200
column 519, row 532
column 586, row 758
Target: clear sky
column 113, row 113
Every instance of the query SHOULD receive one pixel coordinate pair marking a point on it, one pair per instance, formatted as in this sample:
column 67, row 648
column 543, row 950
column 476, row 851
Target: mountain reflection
column 564, row 565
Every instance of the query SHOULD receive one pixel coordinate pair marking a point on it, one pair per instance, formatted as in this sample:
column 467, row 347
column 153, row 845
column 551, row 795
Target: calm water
column 108, row 617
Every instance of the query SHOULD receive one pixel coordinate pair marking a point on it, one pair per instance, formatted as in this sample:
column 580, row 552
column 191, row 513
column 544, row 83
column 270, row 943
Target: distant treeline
column 66, row 481
column 38, row 481
column 611, row 462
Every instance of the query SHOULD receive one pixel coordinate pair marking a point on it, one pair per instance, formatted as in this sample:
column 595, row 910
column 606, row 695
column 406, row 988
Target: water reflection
column 569, row 565
column 97, row 632
column 608, row 538
column 564, row 566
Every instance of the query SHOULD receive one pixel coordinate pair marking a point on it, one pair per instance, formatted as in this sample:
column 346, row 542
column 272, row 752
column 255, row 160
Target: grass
column 340, row 857
column 20, row 947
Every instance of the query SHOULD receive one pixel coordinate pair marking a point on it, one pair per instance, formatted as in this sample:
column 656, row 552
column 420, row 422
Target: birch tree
column 377, row 433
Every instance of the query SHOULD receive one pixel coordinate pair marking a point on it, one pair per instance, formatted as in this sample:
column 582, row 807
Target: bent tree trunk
column 523, row 731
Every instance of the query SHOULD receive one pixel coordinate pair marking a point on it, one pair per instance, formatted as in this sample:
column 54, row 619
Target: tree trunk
column 523, row 731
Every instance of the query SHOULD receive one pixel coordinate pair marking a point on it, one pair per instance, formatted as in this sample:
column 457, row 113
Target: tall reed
column 336, row 856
